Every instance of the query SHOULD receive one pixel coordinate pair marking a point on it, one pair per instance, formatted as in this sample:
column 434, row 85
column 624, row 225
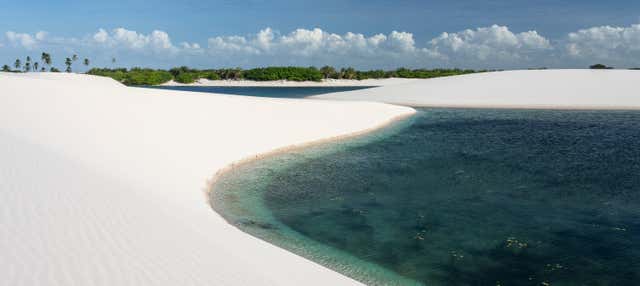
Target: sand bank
column 101, row 184
column 557, row 89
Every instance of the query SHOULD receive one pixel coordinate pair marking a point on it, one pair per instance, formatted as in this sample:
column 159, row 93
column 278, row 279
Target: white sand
column 561, row 89
column 285, row 83
column 101, row 184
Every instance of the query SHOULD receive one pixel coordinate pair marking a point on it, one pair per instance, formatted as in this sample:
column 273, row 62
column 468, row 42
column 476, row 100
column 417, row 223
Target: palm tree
column 17, row 64
column 113, row 62
column 74, row 57
column 35, row 66
column 86, row 62
column 27, row 64
column 68, row 63
column 6, row 68
column 46, row 59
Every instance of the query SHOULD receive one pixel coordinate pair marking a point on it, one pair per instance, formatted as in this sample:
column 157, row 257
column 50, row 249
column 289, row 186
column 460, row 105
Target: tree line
column 146, row 76
column 143, row 76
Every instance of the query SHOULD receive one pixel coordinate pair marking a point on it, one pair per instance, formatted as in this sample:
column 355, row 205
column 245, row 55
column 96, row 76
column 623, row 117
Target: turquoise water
column 457, row 197
column 281, row 92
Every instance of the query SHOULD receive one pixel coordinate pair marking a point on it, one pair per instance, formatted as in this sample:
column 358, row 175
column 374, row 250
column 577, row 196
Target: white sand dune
column 286, row 83
column 560, row 89
column 101, row 184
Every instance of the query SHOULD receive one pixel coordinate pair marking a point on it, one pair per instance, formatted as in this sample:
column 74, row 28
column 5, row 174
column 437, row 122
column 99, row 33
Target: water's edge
column 329, row 257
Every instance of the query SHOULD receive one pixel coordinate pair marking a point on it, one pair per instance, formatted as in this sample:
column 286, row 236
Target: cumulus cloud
column 25, row 40
column 494, row 43
column 156, row 41
column 315, row 46
column 315, row 42
column 617, row 44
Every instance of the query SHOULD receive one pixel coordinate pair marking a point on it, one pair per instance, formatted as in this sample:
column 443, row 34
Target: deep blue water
column 457, row 197
column 281, row 92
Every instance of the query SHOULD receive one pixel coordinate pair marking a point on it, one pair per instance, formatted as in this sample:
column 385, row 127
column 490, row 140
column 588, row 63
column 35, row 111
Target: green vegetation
column 186, row 75
column 600, row 67
column 283, row 73
column 46, row 59
column 137, row 76
column 68, row 63
column 134, row 76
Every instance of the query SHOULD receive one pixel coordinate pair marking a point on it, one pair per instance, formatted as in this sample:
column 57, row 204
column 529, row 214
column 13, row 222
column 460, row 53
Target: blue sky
column 499, row 34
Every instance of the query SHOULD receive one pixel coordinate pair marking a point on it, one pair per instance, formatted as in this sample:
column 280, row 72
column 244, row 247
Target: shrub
column 186, row 77
column 600, row 67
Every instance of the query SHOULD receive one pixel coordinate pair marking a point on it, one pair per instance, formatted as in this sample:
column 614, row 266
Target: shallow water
column 280, row 92
column 457, row 197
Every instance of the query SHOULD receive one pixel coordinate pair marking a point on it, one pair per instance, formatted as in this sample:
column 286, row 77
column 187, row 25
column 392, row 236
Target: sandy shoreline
column 284, row 83
column 238, row 164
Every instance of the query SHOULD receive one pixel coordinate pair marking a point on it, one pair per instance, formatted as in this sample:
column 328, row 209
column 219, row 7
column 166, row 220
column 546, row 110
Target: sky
column 372, row 34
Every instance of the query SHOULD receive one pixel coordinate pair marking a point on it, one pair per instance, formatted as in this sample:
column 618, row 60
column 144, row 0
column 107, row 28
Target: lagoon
column 274, row 92
column 457, row 197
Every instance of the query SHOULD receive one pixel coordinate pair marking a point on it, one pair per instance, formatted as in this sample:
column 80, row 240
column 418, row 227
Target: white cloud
column 315, row 46
column 401, row 41
column 101, row 36
column 494, row 43
column 41, row 35
column 24, row 40
column 190, row 46
column 615, row 44
column 156, row 41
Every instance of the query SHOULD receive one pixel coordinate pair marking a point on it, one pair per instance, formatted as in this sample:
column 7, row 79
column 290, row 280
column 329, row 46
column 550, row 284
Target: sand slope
column 584, row 89
column 101, row 184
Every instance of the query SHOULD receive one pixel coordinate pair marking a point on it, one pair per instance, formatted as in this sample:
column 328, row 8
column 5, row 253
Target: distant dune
column 101, row 184
column 560, row 89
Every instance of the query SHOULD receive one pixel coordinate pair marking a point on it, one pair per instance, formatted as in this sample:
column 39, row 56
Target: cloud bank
column 606, row 43
column 484, row 47
column 316, row 47
column 495, row 43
